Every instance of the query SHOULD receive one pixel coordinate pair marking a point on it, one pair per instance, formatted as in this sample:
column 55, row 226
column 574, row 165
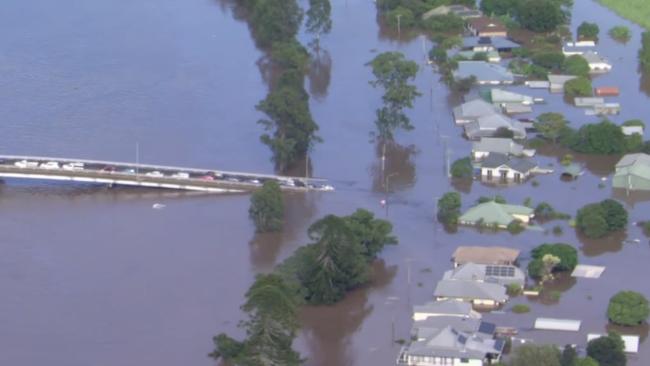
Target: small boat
column 158, row 206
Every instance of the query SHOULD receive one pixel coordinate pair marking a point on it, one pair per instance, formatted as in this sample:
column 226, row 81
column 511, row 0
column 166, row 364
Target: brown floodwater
column 95, row 276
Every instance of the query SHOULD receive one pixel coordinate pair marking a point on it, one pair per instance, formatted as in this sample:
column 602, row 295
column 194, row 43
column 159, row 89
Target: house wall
column 484, row 303
column 523, row 218
column 496, row 174
column 631, row 182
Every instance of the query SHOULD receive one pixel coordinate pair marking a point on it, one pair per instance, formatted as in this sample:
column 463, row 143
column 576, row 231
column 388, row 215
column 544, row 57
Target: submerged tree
column 393, row 72
column 267, row 209
column 319, row 19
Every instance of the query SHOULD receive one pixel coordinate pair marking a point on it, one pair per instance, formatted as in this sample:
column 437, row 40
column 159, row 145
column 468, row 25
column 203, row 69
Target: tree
column 271, row 327
column 644, row 51
column 497, row 198
column 504, row 132
column 373, row 234
column 499, row 7
column 588, row 30
column 587, row 361
column 401, row 15
column 536, row 355
column 576, row 65
column 550, row 125
column 392, row 72
column 333, row 264
column 604, row 137
column 266, row 209
column 567, row 255
column 549, row 262
column 607, row 350
column 290, row 55
column 569, row 356
column 449, row 208
column 462, row 169
column 628, row 308
column 599, row 219
column 550, row 60
column 620, row 33
column 540, row 15
column 319, row 19
column 275, row 21
column 446, row 24
column 578, row 87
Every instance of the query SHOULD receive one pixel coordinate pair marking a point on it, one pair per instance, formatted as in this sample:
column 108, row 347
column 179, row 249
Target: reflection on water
column 398, row 171
column 320, row 73
column 610, row 244
column 327, row 329
column 562, row 282
column 631, row 198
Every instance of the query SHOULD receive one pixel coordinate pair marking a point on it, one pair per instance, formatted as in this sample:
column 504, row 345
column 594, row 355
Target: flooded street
column 95, row 276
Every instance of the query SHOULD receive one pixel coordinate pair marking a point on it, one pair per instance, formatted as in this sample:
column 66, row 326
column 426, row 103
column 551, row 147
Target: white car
column 181, row 175
column 26, row 164
column 155, row 174
column 50, row 165
column 73, row 166
column 254, row 181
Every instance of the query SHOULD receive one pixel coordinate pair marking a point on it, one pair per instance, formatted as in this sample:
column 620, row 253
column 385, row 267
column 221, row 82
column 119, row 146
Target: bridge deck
column 146, row 175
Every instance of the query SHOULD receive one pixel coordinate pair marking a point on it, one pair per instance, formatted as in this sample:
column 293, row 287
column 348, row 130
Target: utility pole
column 446, row 153
column 399, row 33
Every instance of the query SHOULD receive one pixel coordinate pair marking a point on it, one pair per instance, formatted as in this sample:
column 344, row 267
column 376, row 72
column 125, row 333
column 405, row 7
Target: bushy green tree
column 392, row 72
column 607, row 350
column 578, row 87
column 567, row 255
column 551, row 125
column 449, row 208
column 447, row 24
column 462, row 169
column 628, row 308
column 275, row 21
column 373, row 234
column 588, row 30
column 550, row 60
column 586, row 361
column 535, row 355
column 267, row 208
column 599, row 219
column 644, row 51
column 540, row 15
column 604, row 137
column 620, row 33
column 319, row 20
column 404, row 16
column 569, row 356
column 499, row 7
column 576, row 65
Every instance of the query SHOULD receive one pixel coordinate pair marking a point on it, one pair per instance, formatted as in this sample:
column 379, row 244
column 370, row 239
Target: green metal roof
column 494, row 213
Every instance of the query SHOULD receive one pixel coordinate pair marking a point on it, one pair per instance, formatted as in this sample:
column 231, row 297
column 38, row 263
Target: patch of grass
column 620, row 33
column 520, row 309
column 637, row 11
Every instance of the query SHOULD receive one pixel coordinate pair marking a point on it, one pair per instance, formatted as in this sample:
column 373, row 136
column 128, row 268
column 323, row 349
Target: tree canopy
column 392, row 72
column 449, row 208
column 462, row 169
column 576, row 65
column 604, row 137
column 540, row 15
column 275, row 21
column 588, row 30
column 578, row 87
column 267, row 208
column 628, row 308
column 599, row 219
column 535, row 355
column 567, row 255
column 551, row 125
column 607, row 350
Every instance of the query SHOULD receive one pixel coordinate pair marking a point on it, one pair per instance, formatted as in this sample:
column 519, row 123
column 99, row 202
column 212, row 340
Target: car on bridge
column 26, row 164
column 181, row 175
column 155, row 174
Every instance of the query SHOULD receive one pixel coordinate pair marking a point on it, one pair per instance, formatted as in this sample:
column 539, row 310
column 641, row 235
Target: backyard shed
column 606, row 91
column 557, row 324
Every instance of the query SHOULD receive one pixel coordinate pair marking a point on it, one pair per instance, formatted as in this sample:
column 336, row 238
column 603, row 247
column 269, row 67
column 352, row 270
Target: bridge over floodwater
column 147, row 175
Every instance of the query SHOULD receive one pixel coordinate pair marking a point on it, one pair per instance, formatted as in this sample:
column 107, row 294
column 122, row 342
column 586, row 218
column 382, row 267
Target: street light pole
column 386, row 188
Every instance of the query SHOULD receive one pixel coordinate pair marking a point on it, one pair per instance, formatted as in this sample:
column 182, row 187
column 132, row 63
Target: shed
column 557, row 324
column 557, row 82
column 516, row 108
column 588, row 101
column 633, row 172
column 631, row 342
column 537, row 84
column 606, row 91
column 587, row 271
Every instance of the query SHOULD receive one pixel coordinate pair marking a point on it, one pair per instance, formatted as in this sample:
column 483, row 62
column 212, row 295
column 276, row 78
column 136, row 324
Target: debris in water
column 158, row 206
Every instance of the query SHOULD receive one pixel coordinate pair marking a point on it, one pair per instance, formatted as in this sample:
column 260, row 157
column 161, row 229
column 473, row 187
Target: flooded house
column 501, row 97
column 489, row 125
column 487, row 44
column 482, row 295
column 498, row 145
column 631, row 130
column 556, row 82
column 473, row 110
column 633, row 172
column 445, row 308
column 501, row 274
column 496, row 214
column 458, row 10
column 436, row 342
column 597, row 63
column 485, row 255
column 501, row 167
column 486, row 27
column 484, row 72
column 491, row 56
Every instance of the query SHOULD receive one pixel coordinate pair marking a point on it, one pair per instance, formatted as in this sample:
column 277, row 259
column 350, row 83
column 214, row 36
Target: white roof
column 587, row 271
column 557, row 324
column 631, row 130
column 631, row 341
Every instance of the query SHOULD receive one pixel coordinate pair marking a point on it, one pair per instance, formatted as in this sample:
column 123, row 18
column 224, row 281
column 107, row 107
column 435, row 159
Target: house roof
column 485, row 272
column 474, row 109
column 432, row 325
column 498, row 145
column 485, row 255
column 447, row 308
column 496, row 160
column 504, row 96
column 491, row 123
column 472, row 290
column 593, row 58
column 560, row 79
column 573, row 169
column 496, row 42
column 483, row 71
column 451, row 343
column 494, row 213
column 485, row 24
column 634, row 164
column 521, row 165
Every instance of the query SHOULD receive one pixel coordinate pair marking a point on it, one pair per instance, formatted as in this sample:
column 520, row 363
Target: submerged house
column 500, row 166
column 597, row 64
column 487, row 126
column 479, row 294
column 501, row 274
column 484, row 72
column 444, row 308
column 460, row 11
column 496, row 214
column 486, row 27
column 487, row 44
column 473, row 110
column 633, row 172
column 501, row 97
column 488, row 145
column 485, row 255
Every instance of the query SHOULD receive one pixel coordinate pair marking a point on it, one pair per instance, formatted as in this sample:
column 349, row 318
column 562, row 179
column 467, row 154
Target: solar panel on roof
column 500, row 271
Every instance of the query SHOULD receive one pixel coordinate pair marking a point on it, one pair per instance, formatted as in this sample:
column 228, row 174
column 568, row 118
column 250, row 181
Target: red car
column 206, row 177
